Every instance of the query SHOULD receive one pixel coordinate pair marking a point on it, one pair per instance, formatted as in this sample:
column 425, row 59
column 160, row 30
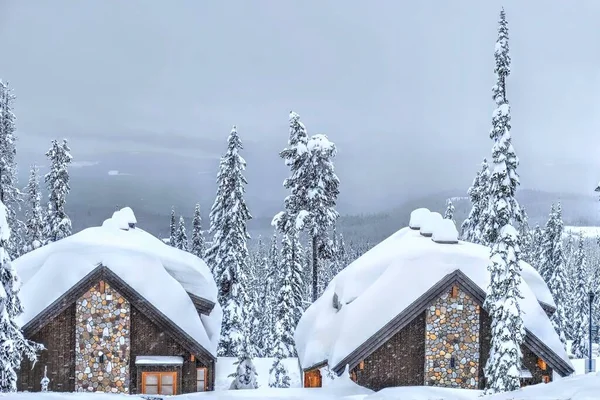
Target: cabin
column 409, row 312
column 118, row 311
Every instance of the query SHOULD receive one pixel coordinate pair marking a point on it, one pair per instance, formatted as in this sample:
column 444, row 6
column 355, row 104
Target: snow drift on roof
column 161, row 274
column 417, row 217
column 445, row 232
column 368, row 291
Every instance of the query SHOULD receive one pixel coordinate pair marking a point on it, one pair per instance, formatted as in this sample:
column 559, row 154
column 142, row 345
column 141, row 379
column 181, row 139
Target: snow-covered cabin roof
column 161, row 274
column 381, row 284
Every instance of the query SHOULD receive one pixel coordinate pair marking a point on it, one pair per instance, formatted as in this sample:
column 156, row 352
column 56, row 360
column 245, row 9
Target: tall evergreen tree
column 548, row 244
column 34, row 213
column 173, row 229
column 245, row 376
column 472, row 227
column 449, row 213
column 9, row 192
column 557, row 281
column 58, row 223
column 198, row 247
column 526, row 245
column 502, row 370
column 13, row 345
column 268, row 300
column 181, row 241
column 228, row 254
column 580, row 309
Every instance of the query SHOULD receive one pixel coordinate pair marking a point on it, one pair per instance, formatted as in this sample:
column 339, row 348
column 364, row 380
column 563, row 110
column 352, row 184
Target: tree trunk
column 315, row 268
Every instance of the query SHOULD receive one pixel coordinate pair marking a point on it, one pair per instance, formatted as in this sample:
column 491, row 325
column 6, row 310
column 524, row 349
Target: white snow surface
column 369, row 292
column 430, row 222
column 445, row 231
column 160, row 273
column 586, row 231
column 417, row 217
column 225, row 367
column 158, row 360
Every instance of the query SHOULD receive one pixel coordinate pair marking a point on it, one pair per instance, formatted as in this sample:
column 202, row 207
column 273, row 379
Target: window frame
column 160, row 375
column 205, row 378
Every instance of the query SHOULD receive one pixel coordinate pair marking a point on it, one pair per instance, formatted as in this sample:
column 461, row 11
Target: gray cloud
column 402, row 87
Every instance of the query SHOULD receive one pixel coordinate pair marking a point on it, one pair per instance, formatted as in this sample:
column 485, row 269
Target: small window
column 102, row 287
column 201, row 380
column 542, row 364
column 454, row 292
column 452, row 362
column 312, row 379
column 159, row 383
column 546, row 378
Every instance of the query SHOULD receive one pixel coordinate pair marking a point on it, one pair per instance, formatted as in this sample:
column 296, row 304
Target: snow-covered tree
column 580, row 304
column 472, row 227
column 267, row 290
column 13, row 345
column 288, row 310
column 228, row 254
column 45, row 380
column 181, row 240
column 34, row 213
column 173, row 229
column 198, row 247
column 502, row 370
column 278, row 374
column 548, row 244
column 449, row 213
column 526, row 245
column 58, row 223
column 9, row 192
column 245, row 376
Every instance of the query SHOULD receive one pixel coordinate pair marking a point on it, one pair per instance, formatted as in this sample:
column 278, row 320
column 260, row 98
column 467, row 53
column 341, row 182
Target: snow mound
column 430, row 223
column 417, row 217
column 407, row 258
column 445, row 232
column 161, row 274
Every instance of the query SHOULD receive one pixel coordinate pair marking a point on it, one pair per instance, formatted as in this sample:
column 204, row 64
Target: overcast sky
column 402, row 87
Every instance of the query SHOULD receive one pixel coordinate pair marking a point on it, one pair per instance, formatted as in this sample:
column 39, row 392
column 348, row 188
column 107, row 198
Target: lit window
column 159, row 383
column 201, row 380
column 312, row 378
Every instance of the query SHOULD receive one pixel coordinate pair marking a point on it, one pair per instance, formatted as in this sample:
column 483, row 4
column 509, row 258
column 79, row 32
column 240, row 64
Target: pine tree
column 548, row 244
column 9, row 192
column 557, row 282
column 449, row 213
column 34, row 213
column 580, row 314
column 502, row 370
column 181, row 241
column 288, row 309
column 13, row 344
column 472, row 227
column 228, row 254
column 268, row 300
column 245, row 376
column 278, row 374
column 58, row 223
column 198, row 244
column 173, row 229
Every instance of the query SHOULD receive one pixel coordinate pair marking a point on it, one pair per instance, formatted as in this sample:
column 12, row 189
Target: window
column 546, row 378
column 159, row 383
column 102, row 287
column 454, row 292
column 201, row 379
column 312, row 378
column 542, row 364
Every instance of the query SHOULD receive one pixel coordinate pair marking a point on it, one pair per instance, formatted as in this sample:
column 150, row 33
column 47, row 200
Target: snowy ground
column 225, row 368
column 581, row 387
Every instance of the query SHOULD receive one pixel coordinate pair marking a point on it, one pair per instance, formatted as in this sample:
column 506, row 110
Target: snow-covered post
column 45, row 380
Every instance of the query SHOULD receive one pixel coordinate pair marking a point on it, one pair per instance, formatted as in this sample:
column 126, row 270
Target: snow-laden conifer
column 13, row 345
column 34, row 213
column 557, row 281
column 449, row 213
column 502, row 370
column 245, row 376
column 268, row 300
column 58, row 223
column 181, row 240
column 9, row 192
column 472, row 227
column 173, row 229
column 228, row 254
column 580, row 304
column 526, row 245
column 198, row 246
column 278, row 374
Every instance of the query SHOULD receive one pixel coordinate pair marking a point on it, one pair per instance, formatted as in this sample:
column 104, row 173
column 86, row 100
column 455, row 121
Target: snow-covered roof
column 382, row 283
column 161, row 274
column 158, row 360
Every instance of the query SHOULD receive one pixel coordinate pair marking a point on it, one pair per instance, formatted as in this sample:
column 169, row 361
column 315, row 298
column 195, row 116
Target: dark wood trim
column 136, row 300
column 419, row 305
column 315, row 366
column 547, row 308
column 203, row 306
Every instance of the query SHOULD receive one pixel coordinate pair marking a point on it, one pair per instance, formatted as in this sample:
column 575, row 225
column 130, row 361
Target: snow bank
column 161, row 274
column 368, row 291
column 445, row 232
column 417, row 217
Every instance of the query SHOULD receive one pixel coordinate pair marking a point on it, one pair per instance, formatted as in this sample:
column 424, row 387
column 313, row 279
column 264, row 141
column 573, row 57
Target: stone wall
column 452, row 341
column 102, row 326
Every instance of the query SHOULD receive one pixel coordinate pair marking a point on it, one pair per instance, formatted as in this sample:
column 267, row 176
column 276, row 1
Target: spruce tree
column 34, row 213
column 502, row 370
column 173, row 229
column 58, row 223
column 13, row 345
column 548, row 244
column 181, row 241
column 449, row 213
column 245, row 376
column 9, row 192
column 472, row 227
column 228, row 254
column 198, row 247
column 557, row 282
column 269, row 299
column 580, row 309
